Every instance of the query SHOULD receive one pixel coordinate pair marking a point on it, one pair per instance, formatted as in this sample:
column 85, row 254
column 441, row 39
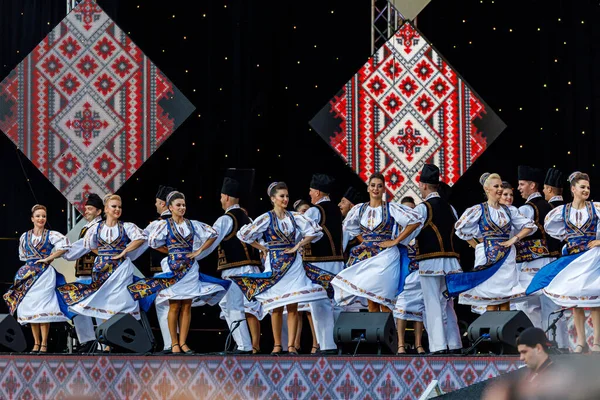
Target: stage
column 240, row 377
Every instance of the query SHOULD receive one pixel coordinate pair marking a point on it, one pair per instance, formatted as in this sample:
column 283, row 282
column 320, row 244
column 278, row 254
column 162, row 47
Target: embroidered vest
column 536, row 245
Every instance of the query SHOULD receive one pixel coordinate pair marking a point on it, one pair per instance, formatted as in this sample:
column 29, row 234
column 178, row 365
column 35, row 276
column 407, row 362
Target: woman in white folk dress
column 507, row 200
column 492, row 229
column 573, row 280
column 33, row 294
column 183, row 286
column 115, row 243
column 377, row 267
column 284, row 282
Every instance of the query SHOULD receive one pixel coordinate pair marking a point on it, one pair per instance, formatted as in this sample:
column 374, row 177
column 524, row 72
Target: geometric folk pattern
column 406, row 107
column 87, row 107
column 266, row 377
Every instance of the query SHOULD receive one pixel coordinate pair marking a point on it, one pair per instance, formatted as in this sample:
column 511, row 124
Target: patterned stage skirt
column 501, row 283
column 107, row 294
column 34, row 298
column 379, row 278
column 572, row 280
column 250, row 307
column 283, row 282
column 409, row 303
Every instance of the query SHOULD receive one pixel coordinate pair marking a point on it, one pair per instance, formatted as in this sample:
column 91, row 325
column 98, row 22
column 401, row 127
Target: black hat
column 244, row 178
column 530, row 337
column 352, row 195
column 163, row 192
column 322, row 182
column 430, row 174
column 231, row 187
column 95, row 201
column 530, row 174
column 554, row 178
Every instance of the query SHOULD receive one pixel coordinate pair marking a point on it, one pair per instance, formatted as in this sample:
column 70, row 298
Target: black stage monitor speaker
column 12, row 337
column 125, row 333
column 377, row 329
column 503, row 327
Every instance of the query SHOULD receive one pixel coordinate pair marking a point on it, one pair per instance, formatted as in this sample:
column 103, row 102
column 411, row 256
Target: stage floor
column 240, row 377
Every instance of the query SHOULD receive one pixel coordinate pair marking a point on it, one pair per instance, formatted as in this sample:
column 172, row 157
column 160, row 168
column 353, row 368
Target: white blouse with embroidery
column 467, row 227
column 157, row 234
column 372, row 217
column 57, row 240
column 254, row 232
column 554, row 224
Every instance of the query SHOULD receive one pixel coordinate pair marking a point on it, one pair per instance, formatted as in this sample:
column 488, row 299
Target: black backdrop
column 257, row 72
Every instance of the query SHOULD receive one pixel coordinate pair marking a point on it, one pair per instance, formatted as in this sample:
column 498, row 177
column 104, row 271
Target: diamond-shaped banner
column 406, row 107
column 87, row 107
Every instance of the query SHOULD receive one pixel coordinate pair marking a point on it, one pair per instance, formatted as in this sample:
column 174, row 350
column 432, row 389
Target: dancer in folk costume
column 409, row 303
column 32, row 295
column 533, row 252
column 115, row 242
column 182, row 286
column 377, row 267
column 506, row 199
column 84, row 326
column 573, row 280
column 284, row 282
column 237, row 258
column 487, row 227
column 324, row 259
column 159, row 264
column 437, row 256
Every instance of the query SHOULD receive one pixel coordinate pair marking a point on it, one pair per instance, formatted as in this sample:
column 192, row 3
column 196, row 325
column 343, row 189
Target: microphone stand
column 552, row 326
column 235, row 325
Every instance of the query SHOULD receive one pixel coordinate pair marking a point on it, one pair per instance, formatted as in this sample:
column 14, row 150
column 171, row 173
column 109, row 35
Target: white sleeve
column 405, row 216
column 133, row 232
column 252, row 232
column 314, row 214
column 59, row 241
column 76, row 251
column 351, row 224
column 202, row 232
column 421, row 209
column 527, row 211
column 22, row 252
column 308, row 227
column 157, row 235
column 520, row 222
column 554, row 224
column 467, row 227
column 345, row 240
column 223, row 226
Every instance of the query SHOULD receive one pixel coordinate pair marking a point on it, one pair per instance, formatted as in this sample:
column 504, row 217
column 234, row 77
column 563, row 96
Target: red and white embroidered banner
column 87, row 107
column 406, row 107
